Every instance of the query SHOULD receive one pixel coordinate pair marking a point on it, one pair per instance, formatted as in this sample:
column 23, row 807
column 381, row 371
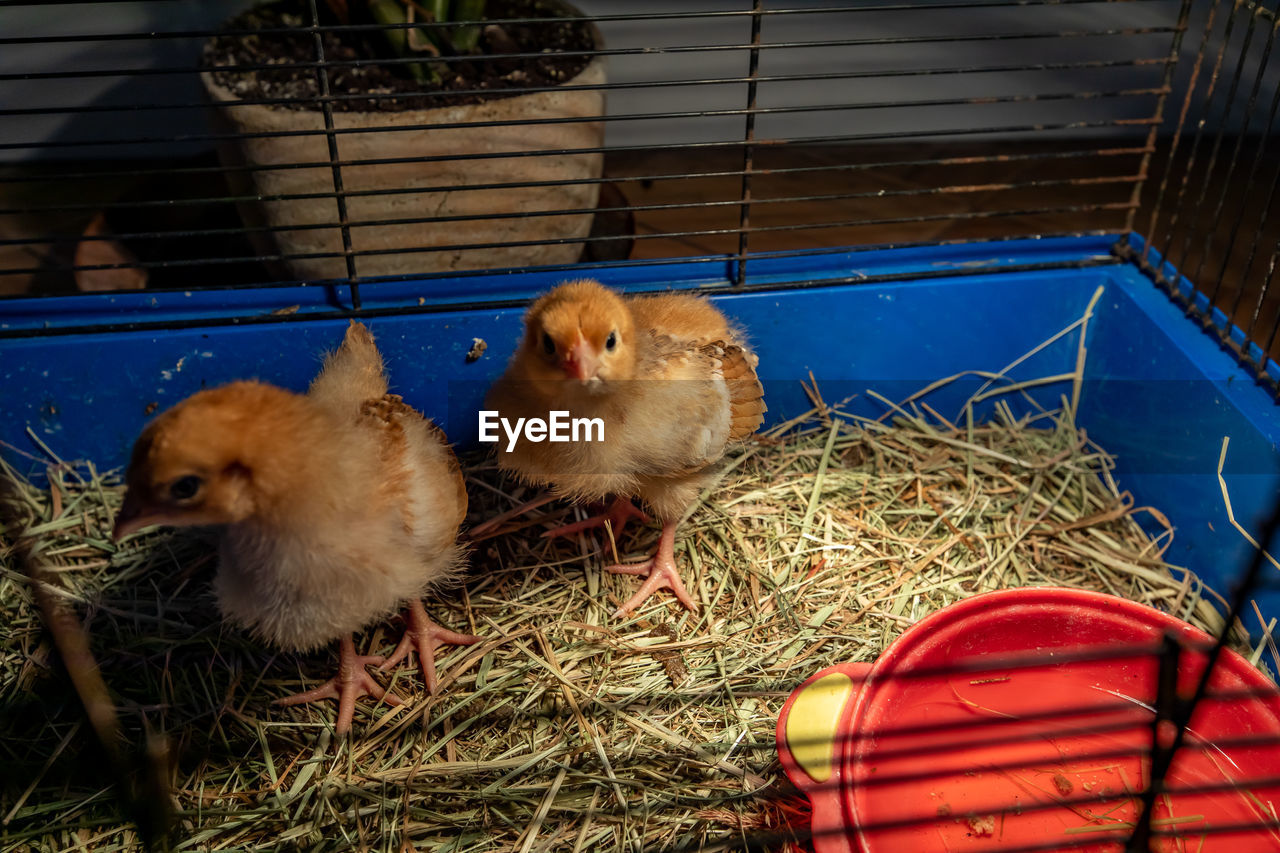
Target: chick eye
column 548, row 344
column 185, row 488
column 611, row 341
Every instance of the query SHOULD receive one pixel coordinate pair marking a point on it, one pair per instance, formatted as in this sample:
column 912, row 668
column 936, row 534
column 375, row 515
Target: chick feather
column 336, row 507
column 672, row 381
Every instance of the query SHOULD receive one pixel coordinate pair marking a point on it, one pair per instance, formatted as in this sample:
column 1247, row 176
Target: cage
column 901, row 197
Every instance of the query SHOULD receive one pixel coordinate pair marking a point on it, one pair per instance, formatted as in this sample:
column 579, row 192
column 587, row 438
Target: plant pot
column 420, row 247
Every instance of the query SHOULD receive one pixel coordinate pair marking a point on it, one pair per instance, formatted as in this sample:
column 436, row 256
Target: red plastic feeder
column 982, row 728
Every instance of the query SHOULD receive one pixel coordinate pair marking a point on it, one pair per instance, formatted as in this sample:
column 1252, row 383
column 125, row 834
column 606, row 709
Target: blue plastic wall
column 1159, row 393
column 1162, row 395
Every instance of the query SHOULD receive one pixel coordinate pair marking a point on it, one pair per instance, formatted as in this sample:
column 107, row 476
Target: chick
column 671, row 381
column 336, row 507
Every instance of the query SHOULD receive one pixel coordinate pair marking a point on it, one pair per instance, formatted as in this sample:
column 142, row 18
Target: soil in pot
column 395, row 89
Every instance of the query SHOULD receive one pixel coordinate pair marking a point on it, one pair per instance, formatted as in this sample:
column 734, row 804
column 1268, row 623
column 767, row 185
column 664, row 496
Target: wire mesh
column 714, row 132
column 1212, row 215
column 676, row 134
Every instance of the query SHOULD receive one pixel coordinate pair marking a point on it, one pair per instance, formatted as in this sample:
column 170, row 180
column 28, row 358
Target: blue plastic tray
column 1160, row 393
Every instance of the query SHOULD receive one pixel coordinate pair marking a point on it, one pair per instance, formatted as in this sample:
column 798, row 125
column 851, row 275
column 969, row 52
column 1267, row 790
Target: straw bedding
column 564, row 729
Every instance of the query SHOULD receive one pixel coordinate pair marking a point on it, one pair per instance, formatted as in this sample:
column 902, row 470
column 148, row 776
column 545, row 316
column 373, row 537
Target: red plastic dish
column 1020, row 756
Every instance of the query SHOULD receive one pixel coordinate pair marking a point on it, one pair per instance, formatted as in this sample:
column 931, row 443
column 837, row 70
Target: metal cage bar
column 1199, row 221
column 998, row 85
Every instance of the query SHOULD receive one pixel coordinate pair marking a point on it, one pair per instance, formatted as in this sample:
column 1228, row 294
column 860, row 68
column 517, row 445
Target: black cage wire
column 174, row 145
column 683, row 133
column 715, row 132
column 728, row 130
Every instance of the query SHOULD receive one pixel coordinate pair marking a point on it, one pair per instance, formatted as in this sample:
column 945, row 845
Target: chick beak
column 133, row 516
column 581, row 363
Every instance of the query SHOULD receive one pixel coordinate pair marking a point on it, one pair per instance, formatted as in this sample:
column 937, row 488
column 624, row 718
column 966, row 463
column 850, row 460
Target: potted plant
column 460, row 66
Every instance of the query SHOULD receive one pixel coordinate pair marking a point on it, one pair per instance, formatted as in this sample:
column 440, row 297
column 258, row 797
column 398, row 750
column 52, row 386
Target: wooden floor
column 1209, row 218
column 826, row 197
column 673, row 204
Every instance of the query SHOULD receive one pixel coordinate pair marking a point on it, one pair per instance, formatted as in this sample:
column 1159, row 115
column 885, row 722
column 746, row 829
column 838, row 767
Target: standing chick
column 337, row 506
column 672, row 383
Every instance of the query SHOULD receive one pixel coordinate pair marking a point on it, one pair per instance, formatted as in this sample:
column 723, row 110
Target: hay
column 565, row 729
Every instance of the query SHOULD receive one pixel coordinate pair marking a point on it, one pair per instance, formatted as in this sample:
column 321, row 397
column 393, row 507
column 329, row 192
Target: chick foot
column 424, row 637
column 661, row 573
column 619, row 511
column 350, row 683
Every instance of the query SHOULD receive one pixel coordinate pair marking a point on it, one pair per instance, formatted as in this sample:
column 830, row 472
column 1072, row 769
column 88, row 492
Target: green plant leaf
column 390, row 12
column 465, row 39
